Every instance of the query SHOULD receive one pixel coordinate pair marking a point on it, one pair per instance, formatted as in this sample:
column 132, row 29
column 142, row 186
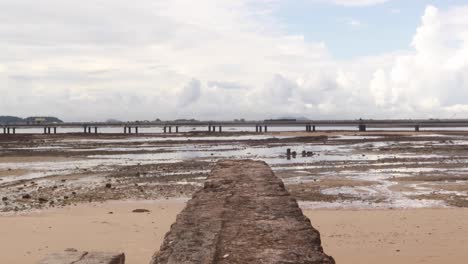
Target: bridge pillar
column 14, row 130
column 136, row 130
column 260, row 129
column 170, row 129
column 307, row 128
column 256, row 128
column 416, row 128
column 165, row 129
column 95, row 130
column 313, row 128
column 177, row 129
column 130, row 130
column 4, row 130
column 220, row 129
column 209, row 128
column 266, row 129
column 89, row 130
column 362, row 128
column 8, row 130
column 55, row 130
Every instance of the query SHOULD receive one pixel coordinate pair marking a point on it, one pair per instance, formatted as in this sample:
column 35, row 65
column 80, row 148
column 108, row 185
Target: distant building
column 39, row 120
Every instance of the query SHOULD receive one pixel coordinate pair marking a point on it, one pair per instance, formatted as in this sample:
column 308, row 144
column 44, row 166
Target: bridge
column 257, row 126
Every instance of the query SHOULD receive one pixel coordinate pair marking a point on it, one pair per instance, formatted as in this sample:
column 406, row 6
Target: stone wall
column 242, row 215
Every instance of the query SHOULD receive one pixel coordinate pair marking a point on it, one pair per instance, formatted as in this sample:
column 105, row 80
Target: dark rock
column 26, row 196
column 108, row 185
column 4, row 199
column 81, row 257
column 43, row 200
column 141, row 211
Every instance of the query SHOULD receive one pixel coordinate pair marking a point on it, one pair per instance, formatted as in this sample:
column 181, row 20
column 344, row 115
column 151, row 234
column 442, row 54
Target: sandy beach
column 350, row 236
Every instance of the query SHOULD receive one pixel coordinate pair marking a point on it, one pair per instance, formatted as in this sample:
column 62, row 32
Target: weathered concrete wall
column 242, row 215
column 81, row 257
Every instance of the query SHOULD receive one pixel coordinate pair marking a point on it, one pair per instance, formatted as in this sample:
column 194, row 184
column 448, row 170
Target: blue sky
column 353, row 31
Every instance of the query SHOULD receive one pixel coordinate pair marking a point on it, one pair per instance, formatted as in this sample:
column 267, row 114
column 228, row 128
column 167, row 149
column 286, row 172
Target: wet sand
column 350, row 236
column 386, row 169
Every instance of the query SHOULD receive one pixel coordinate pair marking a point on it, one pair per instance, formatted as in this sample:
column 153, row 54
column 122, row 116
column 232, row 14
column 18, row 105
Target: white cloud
column 354, row 23
column 191, row 93
column 357, row 2
column 215, row 59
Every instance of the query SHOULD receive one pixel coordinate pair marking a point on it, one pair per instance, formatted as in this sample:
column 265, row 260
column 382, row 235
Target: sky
column 92, row 60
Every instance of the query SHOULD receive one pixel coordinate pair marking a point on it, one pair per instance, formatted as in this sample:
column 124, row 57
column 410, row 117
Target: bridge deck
column 242, row 215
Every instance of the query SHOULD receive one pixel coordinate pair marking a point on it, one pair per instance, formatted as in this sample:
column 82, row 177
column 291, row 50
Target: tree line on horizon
column 29, row 120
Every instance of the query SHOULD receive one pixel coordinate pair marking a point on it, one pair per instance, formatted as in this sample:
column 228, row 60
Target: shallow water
column 356, row 161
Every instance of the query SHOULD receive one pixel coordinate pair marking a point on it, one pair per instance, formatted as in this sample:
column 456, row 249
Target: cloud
column 432, row 79
column 355, row 23
column 191, row 93
column 226, row 85
column 216, row 59
column 357, row 2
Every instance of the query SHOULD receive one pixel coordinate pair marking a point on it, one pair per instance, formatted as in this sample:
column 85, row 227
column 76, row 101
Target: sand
column 394, row 236
column 350, row 236
column 28, row 237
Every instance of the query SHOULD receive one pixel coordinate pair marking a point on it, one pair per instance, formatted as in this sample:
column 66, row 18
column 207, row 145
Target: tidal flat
column 338, row 169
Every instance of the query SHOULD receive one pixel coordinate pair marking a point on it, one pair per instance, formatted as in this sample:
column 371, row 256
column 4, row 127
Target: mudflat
column 408, row 236
column 385, row 169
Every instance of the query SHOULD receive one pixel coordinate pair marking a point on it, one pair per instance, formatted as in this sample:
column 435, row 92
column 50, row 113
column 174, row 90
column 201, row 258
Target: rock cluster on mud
column 242, row 215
